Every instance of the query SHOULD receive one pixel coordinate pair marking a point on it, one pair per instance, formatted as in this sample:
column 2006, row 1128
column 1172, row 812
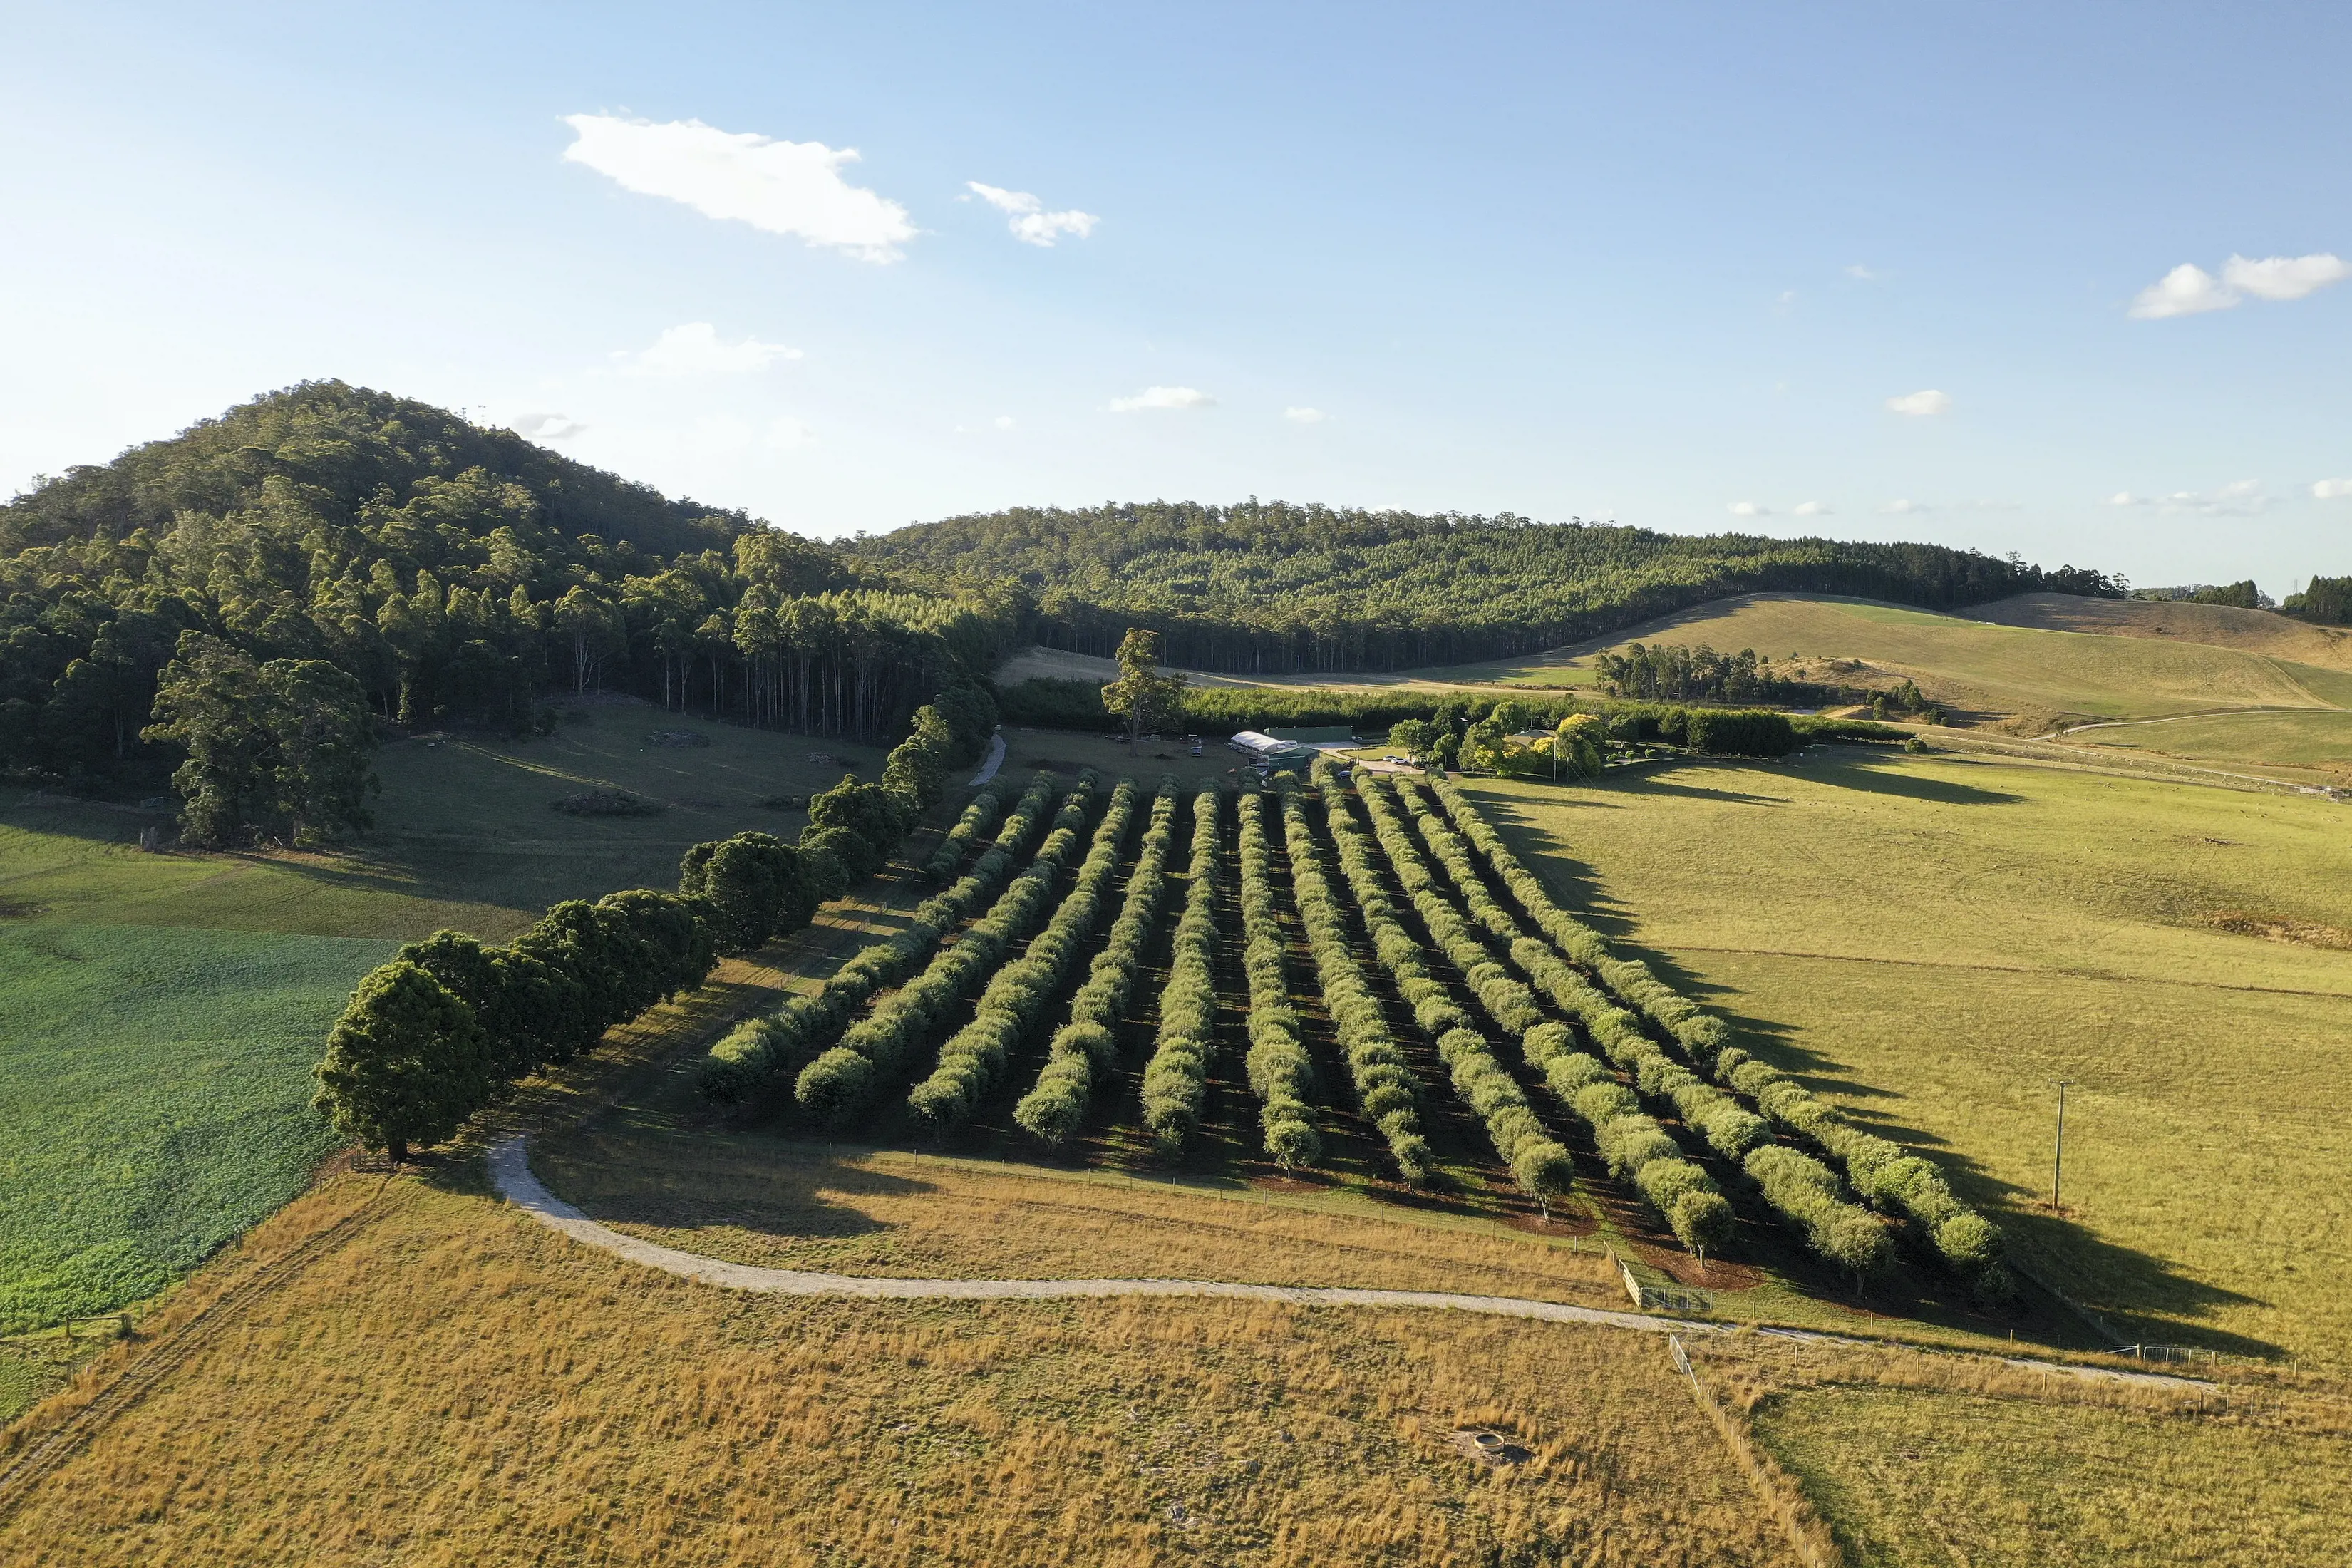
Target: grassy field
column 2251, row 631
column 1920, row 1461
column 154, row 1100
column 2311, row 740
column 453, row 1384
column 164, row 1011
column 1930, row 941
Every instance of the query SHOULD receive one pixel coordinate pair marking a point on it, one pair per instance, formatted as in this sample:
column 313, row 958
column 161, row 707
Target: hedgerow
column 759, row 1050
column 1882, row 1172
column 1176, row 1080
column 843, row 1080
column 1057, row 1106
column 1386, row 1090
column 984, row 809
column 1019, row 992
column 1280, row 1072
column 1637, row 1149
column 1537, row 1161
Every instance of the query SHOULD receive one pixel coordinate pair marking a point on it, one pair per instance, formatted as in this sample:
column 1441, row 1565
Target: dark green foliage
column 1738, row 732
column 2326, row 599
column 1882, row 1172
column 1386, row 1089
column 450, row 573
column 755, row 885
column 973, row 1057
column 978, row 818
column 280, row 747
column 1670, row 672
column 863, row 821
column 1280, row 1072
column 1057, row 1106
column 406, row 1063
column 1284, row 588
column 911, row 1018
column 606, row 803
column 1142, row 700
column 1176, row 1079
column 1537, row 1161
column 781, row 1044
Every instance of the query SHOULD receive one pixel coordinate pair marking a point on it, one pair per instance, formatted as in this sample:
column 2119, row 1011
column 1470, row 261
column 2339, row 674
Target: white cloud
column 2240, row 498
column 694, row 349
column 2282, row 277
column 1305, row 416
column 1162, row 398
column 1920, row 405
column 2189, row 291
column 781, row 187
column 786, row 434
column 1810, row 509
column 1004, row 422
column 2331, row 489
column 1748, row 509
column 546, row 427
column 1861, row 274
column 1032, row 224
column 1900, row 508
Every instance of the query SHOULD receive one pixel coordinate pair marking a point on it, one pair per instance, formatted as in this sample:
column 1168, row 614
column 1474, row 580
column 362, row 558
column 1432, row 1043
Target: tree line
column 450, row 1023
column 453, row 575
column 1271, row 587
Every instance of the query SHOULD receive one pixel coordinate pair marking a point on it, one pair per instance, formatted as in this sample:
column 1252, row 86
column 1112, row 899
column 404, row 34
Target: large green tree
column 281, row 747
column 406, row 1063
column 1141, row 695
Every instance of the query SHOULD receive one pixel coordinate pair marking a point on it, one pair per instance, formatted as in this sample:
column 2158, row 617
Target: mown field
column 164, row 1011
column 1930, row 942
column 2321, row 740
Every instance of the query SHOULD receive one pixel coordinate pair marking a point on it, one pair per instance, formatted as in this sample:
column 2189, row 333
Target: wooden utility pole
column 2058, row 1161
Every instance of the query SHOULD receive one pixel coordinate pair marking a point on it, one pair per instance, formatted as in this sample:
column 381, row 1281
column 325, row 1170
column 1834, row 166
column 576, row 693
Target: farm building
column 1270, row 754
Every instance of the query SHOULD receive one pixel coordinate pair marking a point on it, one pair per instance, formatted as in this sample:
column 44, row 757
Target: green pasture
column 154, row 1099
column 1931, row 940
column 162, row 1011
column 1972, row 665
column 2304, row 740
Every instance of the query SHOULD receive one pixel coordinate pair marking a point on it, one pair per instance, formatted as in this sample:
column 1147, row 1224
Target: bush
column 1280, row 1073
column 606, row 803
column 1175, row 1080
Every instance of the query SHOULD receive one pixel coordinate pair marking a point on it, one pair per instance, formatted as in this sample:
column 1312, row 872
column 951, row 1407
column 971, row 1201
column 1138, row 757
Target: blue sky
column 1867, row 270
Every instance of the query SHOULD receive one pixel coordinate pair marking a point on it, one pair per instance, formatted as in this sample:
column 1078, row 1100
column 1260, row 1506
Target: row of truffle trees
column 1882, row 1172
column 450, row 1023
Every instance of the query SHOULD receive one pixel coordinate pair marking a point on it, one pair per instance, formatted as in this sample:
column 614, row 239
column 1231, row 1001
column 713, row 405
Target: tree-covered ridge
column 453, row 572
column 1273, row 587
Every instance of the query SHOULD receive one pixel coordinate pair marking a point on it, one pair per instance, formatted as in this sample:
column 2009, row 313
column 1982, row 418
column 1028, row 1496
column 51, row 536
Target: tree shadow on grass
column 1871, row 774
column 769, row 1186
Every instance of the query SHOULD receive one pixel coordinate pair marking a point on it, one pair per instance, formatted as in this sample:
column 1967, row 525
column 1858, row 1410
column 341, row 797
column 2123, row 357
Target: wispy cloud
column 1921, row 405
column 1749, row 508
column 2240, row 498
column 1810, row 509
column 779, row 187
column 2332, row 489
column 694, row 349
column 546, row 427
column 2189, row 291
column 1906, row 507
column 1305, row 416
column 1162, row 398
column 1031, row 222
column 1861, row 274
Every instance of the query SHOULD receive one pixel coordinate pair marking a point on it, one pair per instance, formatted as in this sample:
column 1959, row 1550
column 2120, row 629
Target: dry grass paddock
column 450, row 1383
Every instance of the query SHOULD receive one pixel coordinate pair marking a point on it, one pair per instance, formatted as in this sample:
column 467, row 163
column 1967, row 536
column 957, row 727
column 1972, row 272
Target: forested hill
column 344, row 453
column 453, row 572
column 1275, row 587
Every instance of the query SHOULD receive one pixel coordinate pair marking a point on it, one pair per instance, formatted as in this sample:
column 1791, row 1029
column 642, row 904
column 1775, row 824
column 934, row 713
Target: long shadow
column 1867, row 772
column 766, row 1184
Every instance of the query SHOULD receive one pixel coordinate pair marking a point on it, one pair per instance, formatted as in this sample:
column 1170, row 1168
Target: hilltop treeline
column 453, row 572
column 1269, row 587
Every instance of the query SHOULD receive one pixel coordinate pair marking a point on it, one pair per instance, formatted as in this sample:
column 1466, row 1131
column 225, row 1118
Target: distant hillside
column 339, row 450
column 1273, row 588
column 2251, row 631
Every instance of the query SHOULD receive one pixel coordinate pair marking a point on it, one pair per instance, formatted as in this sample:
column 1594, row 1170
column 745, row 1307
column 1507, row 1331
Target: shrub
column 1057, row 1106
column 1176, row 1079
column 406, row 1063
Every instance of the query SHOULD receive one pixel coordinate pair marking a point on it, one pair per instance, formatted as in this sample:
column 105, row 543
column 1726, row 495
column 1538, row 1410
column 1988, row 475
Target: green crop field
column 1931, row 940
column 164, row 1011
column 154, row 1099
